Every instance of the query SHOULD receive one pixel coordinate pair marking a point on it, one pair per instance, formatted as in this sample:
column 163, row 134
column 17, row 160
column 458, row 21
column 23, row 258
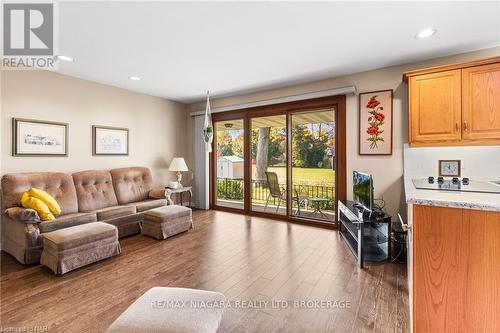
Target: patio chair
column 276, row 193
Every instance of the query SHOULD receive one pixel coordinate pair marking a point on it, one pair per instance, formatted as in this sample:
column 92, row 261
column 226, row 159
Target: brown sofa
column 117, row 197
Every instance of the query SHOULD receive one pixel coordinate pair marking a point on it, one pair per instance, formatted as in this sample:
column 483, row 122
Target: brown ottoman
column 70, row 248
column 166, row 221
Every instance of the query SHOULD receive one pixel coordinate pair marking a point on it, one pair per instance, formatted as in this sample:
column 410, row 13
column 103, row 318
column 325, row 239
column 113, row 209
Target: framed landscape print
column 39, row 138
column 109, row 140
column 375, row 123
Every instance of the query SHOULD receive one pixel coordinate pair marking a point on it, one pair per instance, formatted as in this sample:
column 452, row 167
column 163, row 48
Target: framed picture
column 375, row 123
column 39, row 138
column 109, row 140
column 449, row 168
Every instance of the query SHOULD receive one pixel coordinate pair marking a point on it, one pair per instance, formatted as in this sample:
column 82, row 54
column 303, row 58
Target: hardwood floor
column 246, row 258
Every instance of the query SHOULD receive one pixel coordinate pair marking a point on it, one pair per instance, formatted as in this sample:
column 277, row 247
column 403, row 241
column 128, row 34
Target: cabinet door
column 435, row 107
column 440, row 241
column 481, row 102
column 455, row 270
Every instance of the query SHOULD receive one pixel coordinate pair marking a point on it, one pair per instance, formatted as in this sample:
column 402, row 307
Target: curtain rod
column 292, row 98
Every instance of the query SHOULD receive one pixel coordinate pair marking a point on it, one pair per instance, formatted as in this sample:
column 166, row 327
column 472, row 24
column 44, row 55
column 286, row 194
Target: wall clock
column 449, row 168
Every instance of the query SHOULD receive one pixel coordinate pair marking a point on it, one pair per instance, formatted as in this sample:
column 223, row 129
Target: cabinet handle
column 457, row 126
column 466, row 126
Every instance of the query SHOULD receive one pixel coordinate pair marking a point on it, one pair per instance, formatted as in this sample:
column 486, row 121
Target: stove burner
column 456, row 184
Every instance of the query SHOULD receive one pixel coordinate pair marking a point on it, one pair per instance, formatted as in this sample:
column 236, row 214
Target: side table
column 180, row 191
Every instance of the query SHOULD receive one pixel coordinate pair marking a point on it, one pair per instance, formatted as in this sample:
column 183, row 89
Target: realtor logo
column 28, row 29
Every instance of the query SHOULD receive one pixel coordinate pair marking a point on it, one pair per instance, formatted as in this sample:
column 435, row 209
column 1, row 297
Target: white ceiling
column 181, row 49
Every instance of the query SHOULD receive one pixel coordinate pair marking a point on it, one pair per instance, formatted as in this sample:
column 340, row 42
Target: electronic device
column 362, row 190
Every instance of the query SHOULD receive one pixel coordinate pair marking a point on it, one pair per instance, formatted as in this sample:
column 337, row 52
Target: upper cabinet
column 481, row 102
column 455, row 105
column 435, row 107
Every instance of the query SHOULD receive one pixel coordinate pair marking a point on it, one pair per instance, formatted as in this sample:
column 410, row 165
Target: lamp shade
column 178, row 164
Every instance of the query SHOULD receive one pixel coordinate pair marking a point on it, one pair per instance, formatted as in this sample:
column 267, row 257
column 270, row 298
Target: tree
column 237, row 145
column 224, row 144
column 262, row 154
column 301, row 143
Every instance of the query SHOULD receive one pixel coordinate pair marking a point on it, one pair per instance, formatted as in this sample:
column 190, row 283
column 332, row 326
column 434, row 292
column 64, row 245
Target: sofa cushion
column 41, row 208
column 144, row 205
column 132, row 184
column 69, row 238
column 46, row 199
column 113, row 212
column 94, row 189
column 66, row 221
column 59, row 185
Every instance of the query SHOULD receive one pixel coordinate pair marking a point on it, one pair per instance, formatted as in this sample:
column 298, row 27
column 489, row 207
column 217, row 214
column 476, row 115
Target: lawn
column 309, row 176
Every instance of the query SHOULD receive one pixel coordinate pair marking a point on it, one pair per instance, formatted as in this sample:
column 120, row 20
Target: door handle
column 457, row 126
column 466, row 126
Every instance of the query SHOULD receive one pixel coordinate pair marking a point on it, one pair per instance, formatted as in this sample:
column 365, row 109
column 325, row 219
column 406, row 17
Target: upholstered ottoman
column 169, row 310
column 70, row 248
column 166, row 221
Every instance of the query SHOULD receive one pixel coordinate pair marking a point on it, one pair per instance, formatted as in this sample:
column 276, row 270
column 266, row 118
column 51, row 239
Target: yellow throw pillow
column 47, row 199
column 38, row 205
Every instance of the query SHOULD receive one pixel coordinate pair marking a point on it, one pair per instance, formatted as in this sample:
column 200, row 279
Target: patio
column 317, row 200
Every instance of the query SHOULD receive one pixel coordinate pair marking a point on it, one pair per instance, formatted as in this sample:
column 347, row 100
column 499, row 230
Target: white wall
column 387, row 170
column 480, row 163
column 157, row 126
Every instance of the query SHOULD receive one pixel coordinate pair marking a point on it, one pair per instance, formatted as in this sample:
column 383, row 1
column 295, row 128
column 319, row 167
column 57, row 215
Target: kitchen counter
column 467, row 200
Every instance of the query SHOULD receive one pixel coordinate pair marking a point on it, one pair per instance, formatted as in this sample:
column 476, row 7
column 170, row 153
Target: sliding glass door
column 283, row 161
column 229, row 163
column 313, row 168
column 269, row 170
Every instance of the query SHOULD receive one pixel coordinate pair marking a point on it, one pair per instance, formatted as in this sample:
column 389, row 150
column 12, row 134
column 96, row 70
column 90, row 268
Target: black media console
column 367, row 235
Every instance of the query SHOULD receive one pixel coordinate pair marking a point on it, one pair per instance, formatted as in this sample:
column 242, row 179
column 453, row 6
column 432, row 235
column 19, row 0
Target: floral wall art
column 375, row 123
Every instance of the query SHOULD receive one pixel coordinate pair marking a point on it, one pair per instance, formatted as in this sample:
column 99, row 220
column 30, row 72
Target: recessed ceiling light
column 64, row 58
column 134, row 78
column 425, row 33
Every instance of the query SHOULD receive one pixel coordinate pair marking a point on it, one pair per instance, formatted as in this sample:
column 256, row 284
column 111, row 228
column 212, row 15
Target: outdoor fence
column 232, row 189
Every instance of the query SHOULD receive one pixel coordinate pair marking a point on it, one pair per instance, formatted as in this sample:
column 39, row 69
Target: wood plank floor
column 246, row 258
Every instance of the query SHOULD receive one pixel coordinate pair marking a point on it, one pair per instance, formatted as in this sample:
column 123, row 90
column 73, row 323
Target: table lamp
column 178, row 164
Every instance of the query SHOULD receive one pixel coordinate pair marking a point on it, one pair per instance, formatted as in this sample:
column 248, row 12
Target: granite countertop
column 468, row 200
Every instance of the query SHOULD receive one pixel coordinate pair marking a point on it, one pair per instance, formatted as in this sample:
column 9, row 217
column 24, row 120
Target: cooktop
column 456, row 185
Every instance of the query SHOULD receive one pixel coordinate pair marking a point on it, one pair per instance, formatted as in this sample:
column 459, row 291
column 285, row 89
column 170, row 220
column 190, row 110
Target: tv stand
column 366, row 234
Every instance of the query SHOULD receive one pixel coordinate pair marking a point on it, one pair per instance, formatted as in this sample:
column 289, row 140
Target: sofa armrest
column 161, row 193
column 24, row 215
column 158, row 193
column 21, row 239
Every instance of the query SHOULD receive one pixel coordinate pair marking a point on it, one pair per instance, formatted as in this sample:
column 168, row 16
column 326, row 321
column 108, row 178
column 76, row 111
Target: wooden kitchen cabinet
column 455, row 105
column 435, row 107
column 481, row 102
column 454, row 270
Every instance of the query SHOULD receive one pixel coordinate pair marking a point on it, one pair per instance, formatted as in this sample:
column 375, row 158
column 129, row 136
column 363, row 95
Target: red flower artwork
column 379, row 116
column 375, row 120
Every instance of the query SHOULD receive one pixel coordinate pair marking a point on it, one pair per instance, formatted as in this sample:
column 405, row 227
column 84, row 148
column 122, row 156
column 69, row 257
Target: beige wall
column 387, row 170
column 157, row 126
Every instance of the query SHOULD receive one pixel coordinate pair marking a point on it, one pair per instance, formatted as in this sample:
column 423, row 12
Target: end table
column 180, row 191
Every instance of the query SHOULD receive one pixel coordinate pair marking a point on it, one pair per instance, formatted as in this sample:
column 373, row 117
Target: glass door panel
column 269, row 170
column 313, row 167
column 229, row 154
